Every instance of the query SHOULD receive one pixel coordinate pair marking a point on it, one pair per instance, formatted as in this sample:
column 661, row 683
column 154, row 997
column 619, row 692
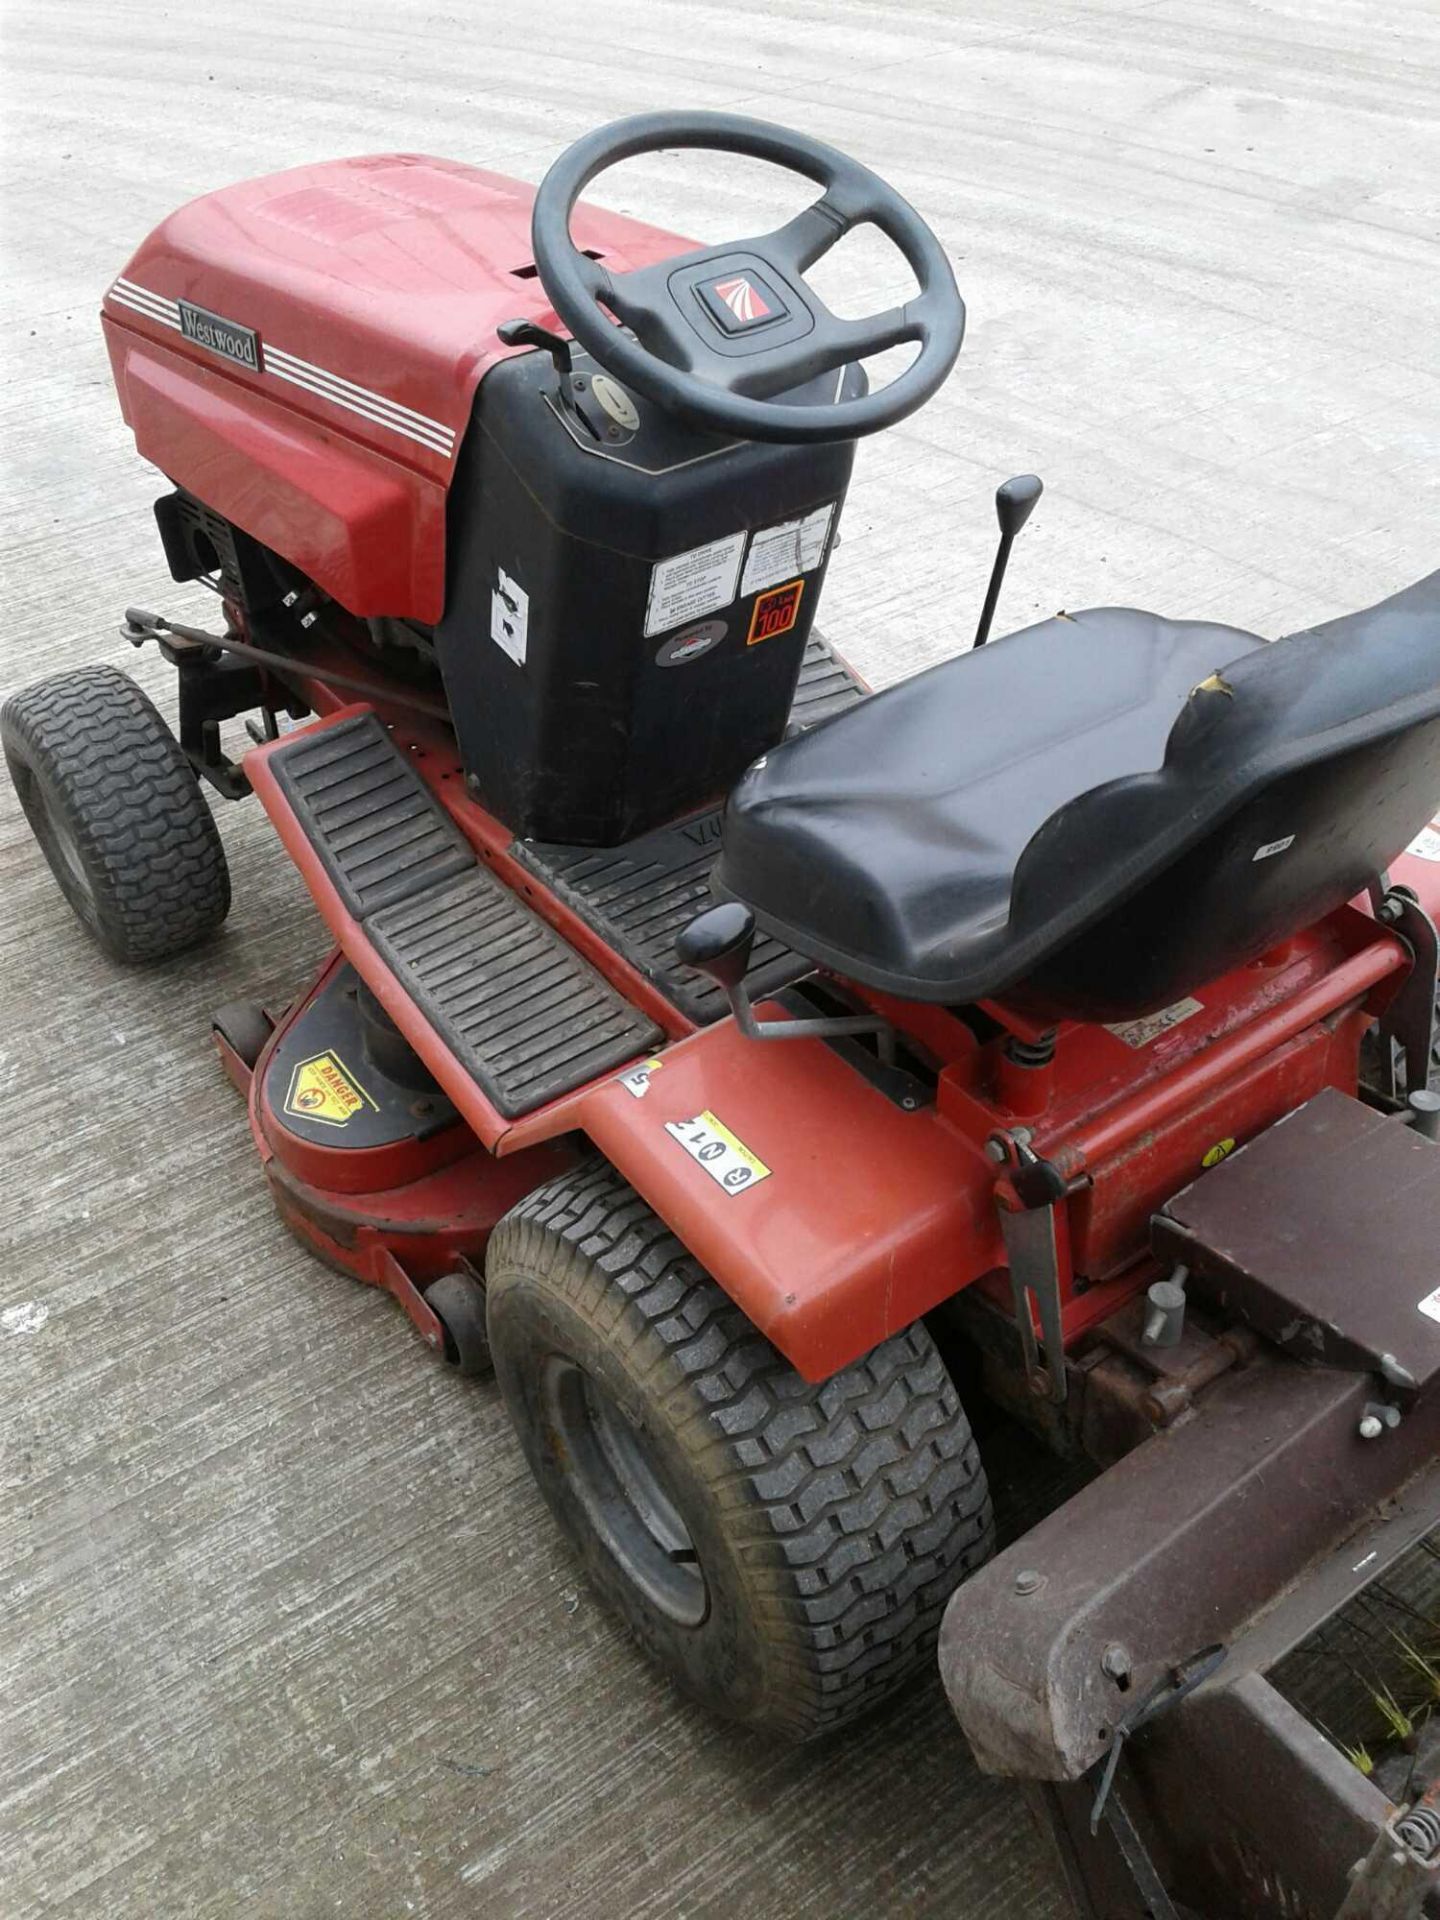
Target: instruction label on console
column 690, row 585
column 794, row 546
column 728, row 1161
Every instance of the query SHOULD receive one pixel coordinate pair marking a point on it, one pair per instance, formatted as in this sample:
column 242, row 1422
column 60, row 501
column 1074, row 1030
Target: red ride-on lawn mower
column 703, row 1033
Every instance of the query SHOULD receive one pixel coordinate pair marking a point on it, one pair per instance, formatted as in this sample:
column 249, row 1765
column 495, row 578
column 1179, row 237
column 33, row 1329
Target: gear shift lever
column 718, row 942
column 1014, row 503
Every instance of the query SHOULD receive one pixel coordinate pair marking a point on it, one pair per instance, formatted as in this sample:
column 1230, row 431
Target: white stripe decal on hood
column 358, row 400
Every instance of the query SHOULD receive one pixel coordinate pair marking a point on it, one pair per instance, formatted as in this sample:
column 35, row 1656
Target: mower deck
column 638, row 896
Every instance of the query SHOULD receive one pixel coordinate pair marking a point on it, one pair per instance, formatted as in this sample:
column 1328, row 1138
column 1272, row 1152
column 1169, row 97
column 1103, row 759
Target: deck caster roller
column 245, row 1027
column 458, row 1302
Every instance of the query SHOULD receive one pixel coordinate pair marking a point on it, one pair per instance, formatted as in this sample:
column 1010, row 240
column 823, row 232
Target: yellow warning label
column 323, row 1088
column 1221, row 1150
column 727, row 1160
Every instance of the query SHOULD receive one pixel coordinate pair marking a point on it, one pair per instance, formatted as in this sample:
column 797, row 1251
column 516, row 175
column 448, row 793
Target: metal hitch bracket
column 1030, row 1231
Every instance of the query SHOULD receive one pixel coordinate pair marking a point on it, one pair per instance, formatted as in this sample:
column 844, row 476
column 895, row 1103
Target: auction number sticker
column 775, row 612
column 728, row 1161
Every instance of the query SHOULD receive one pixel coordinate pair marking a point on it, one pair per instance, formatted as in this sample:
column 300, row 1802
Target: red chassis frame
column 872, row 1215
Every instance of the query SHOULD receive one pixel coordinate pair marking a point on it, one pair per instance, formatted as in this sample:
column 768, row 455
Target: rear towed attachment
column 1120, row 1657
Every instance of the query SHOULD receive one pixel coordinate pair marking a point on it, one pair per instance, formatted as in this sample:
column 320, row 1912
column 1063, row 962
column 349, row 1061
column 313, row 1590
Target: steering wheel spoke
column 797, row 245
column 597, row 280
column 834, row 344
column 640, row 299
column 877, row 333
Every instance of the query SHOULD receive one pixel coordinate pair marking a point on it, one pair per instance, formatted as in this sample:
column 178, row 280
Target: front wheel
column 783, row 1550
column 117, row 811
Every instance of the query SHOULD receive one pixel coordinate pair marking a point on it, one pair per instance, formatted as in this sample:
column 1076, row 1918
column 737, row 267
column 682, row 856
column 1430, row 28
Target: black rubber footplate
column 526, row 1015
column 638, row 896
column 368, row 814
column 826, row 686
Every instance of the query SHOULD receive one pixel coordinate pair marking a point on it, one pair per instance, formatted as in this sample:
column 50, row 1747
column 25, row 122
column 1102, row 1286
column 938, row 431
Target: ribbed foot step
column 527, row 1016
column 826, row 685
column 638, row 896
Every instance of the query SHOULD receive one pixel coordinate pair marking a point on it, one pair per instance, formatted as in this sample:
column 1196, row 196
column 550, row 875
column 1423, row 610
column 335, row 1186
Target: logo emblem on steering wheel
column 743, row 300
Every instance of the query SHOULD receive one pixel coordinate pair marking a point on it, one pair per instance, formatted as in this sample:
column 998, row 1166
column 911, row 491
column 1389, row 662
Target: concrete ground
column 286, row 1631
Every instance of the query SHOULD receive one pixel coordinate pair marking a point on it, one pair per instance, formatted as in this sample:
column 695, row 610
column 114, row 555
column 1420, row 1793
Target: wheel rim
column 57, row 837
column 625, row 1498
column 69, row 853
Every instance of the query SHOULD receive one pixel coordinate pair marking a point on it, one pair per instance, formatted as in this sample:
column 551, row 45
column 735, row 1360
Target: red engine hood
column 374, row 286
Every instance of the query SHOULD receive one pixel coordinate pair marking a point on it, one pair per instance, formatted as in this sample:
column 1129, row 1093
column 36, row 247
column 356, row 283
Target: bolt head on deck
column 1115, row 1662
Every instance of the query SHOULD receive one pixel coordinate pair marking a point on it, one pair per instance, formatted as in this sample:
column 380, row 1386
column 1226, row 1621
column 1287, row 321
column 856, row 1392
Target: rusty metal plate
column 1324, row 1234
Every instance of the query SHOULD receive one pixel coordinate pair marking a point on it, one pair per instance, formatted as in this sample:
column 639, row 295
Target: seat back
column 1291, row 779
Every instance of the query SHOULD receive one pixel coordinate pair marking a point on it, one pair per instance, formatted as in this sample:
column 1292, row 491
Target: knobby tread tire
column 851, row 1510
column 89, row 748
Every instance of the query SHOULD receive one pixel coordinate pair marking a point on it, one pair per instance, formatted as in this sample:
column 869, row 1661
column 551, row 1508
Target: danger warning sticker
column 1426, row 845
column 323, row 1088
column 728, row 1161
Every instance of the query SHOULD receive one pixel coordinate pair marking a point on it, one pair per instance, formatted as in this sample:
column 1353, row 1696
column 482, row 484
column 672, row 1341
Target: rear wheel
column 783, row 1550
column 117, row 811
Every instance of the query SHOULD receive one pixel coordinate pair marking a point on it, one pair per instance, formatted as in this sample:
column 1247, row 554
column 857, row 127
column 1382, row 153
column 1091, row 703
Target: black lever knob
column 718, row 942
column 1015, row 502
column 529, row 333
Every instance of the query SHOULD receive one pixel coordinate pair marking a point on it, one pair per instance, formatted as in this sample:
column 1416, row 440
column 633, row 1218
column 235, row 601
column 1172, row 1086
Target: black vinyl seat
column 1107, row 807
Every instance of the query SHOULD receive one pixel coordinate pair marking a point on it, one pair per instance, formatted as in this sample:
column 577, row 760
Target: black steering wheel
column 719, row 330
